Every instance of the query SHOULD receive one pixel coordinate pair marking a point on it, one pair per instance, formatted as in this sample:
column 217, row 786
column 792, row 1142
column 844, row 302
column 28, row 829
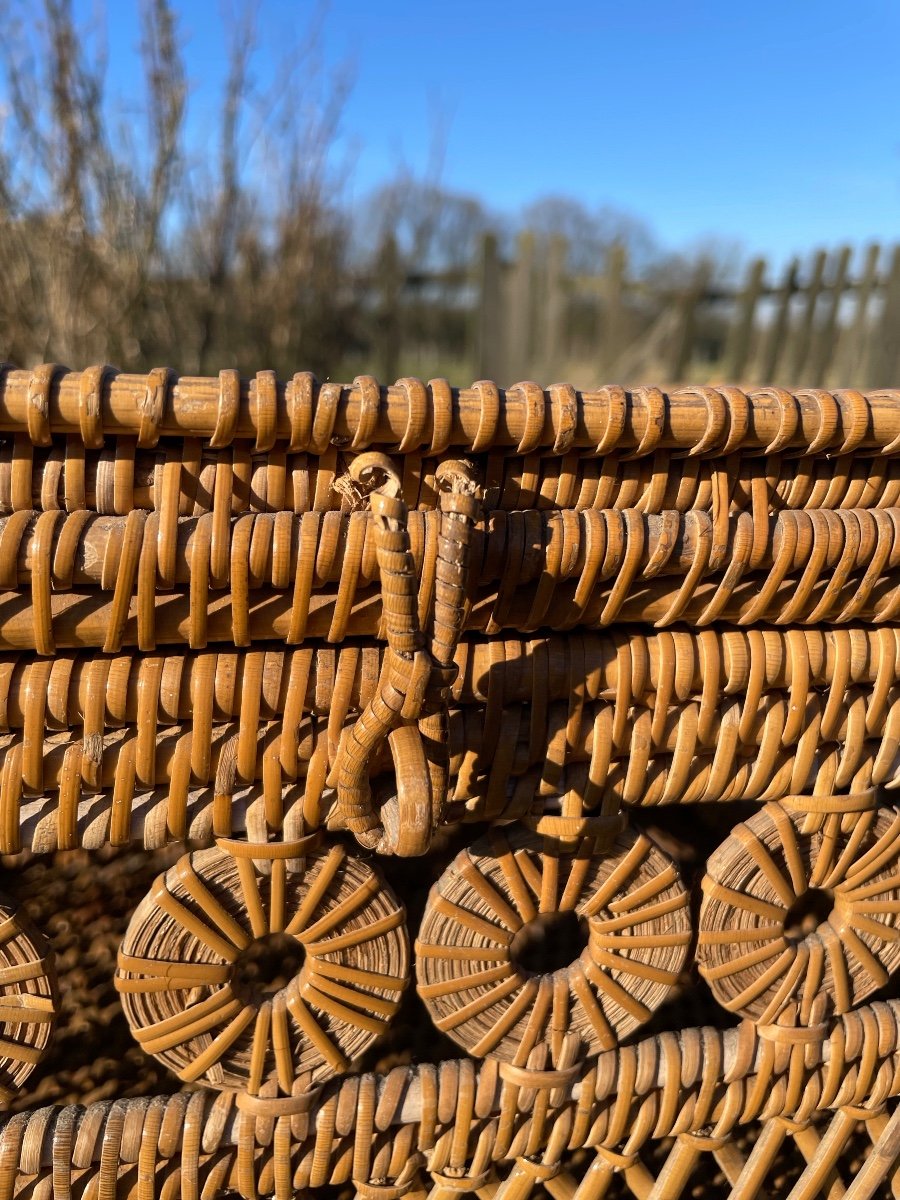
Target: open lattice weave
column 311, row 629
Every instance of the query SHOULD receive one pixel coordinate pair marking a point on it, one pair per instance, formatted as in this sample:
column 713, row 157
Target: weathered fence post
column 823, row 355
column 774, row 342
column 683, row 345
column 612, row 288
column 856, row 340
column 555, row 330
column 737, row 347
column 802, row 339
column 489, row 331
column 520, row 310
column 885, row 344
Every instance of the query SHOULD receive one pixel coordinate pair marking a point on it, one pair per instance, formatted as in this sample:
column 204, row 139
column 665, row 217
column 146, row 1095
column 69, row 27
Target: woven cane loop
column 460, row 511
column 405, row 677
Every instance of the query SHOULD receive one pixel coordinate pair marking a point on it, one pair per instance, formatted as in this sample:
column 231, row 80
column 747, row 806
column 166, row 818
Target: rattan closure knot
column 273, row 1107
column 538, row 1170
column 616, row 1160
column 792, row 1035
column 602, row 830
column 267, row 852
column 410, row 706
column 392, row 1189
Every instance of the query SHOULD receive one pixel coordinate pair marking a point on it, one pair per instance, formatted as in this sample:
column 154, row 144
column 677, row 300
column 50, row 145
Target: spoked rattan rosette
column 801, row 909
column 28, row 997
column 471, row 966
column 238, row 978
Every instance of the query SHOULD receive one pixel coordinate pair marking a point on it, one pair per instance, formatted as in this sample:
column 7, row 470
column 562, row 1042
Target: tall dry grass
column 124, row 241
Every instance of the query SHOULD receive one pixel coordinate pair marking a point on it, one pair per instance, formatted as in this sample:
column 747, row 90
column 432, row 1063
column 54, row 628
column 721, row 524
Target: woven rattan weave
column 558, row 728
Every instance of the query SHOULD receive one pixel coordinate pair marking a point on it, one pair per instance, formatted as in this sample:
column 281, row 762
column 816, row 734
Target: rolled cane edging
column 630, row 904
column 28, row 997
column 240, row 978
column 801, row 909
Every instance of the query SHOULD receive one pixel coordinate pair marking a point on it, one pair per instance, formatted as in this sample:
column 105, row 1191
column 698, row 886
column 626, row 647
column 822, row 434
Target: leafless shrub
column 140, row 249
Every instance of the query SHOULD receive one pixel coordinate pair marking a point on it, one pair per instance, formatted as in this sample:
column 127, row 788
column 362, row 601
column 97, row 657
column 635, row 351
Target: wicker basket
column 302, row 632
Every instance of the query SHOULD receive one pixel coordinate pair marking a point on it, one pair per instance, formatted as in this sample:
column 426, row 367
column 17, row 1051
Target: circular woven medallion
column 238, row 979
column 801, row 910
column 28, row 997
column 611, row 931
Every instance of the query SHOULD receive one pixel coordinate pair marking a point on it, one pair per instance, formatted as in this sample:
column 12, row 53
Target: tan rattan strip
column 81, row 691
column 92, row 618
column 581, row 547
column 120, row 477
column 311, row 416
column 152, row 788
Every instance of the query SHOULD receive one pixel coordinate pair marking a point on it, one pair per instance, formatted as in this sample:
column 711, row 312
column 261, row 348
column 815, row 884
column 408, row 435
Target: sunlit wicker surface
column 372, row 726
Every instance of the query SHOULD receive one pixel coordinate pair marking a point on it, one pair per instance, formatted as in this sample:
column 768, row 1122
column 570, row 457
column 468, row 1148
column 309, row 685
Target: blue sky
column 775, row 124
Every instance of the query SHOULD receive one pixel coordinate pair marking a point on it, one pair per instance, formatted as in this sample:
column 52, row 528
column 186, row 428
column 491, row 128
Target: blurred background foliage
column 123, row 241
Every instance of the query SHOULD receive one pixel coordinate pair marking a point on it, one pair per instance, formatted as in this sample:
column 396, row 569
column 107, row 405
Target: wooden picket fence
column 830, row 320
